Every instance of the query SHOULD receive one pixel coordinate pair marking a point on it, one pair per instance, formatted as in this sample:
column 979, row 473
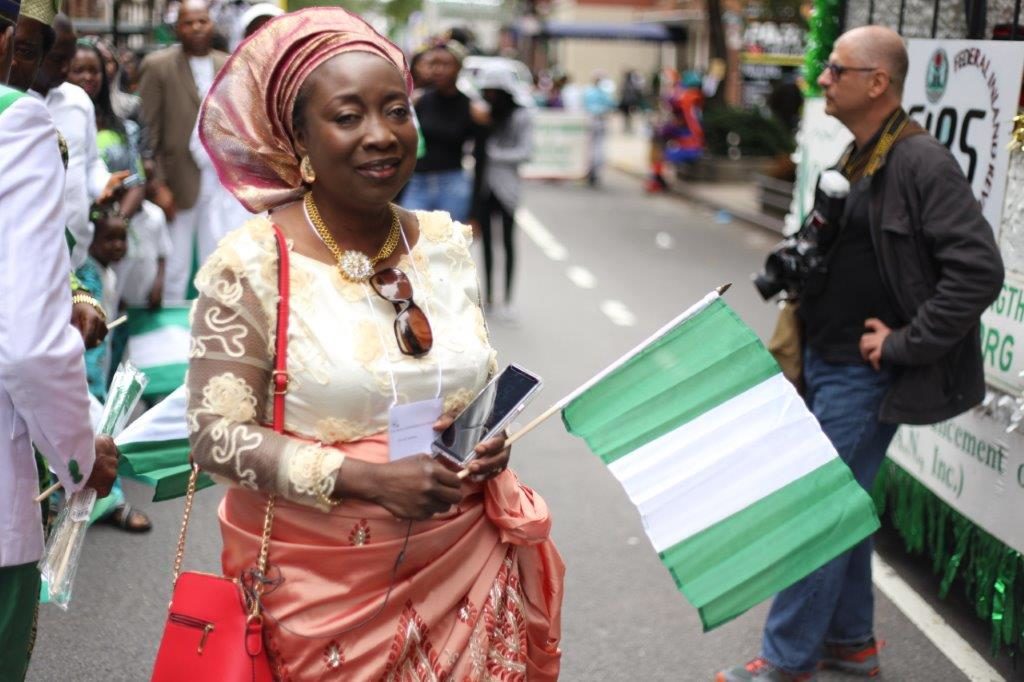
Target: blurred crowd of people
column 670, row 104
column 483, row 113
column 165, row 211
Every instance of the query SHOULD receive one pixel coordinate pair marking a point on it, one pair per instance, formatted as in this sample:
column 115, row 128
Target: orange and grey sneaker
column 854, row 659
column 760, row 670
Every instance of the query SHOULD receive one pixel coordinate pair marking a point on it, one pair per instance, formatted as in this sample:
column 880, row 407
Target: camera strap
column 865, row 162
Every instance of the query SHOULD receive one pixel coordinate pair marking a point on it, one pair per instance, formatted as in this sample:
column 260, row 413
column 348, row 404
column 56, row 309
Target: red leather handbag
column 214, row 629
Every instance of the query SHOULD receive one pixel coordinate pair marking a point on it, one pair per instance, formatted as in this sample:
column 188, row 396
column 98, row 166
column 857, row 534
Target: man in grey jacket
column 891, row 336
column 172, row 84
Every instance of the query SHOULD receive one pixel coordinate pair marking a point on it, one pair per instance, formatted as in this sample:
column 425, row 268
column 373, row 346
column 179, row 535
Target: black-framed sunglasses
column 412, row 328
column 837, row 70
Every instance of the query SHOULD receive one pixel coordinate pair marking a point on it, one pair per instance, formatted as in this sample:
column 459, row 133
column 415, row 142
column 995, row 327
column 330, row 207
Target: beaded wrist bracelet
column 85, row 298
column 322, row 497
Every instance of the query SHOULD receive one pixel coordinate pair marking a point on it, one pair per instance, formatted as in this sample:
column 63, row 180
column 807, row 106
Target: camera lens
column 767, row 285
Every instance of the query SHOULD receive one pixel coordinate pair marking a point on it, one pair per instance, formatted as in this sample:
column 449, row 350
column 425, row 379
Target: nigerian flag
column 740, row 491
column 158, row 344
column 154, row 448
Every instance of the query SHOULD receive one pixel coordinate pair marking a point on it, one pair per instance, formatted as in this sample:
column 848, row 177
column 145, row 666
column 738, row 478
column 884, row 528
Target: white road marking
column 540, row 235
column 581, row 277
column 959, row 652
column 663, row 240
column 618, row 313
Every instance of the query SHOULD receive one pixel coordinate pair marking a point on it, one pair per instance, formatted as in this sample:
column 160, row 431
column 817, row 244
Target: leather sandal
column 129, row 519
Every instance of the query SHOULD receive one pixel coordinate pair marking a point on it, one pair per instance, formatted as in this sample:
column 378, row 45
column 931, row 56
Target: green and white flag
column 158, row 344
column 740, row 491
column 154, row 448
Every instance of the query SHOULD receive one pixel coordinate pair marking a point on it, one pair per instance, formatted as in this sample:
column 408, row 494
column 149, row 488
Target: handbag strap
column 279, row 376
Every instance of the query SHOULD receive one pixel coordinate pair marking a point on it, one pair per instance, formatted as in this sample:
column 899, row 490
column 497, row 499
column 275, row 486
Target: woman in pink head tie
column 379, row 569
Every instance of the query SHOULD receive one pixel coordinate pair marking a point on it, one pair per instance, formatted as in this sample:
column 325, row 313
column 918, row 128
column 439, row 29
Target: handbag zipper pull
column 207, row 629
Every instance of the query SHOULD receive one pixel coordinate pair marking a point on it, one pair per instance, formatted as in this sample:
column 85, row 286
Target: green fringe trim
column 823, row 29
column 961, row 552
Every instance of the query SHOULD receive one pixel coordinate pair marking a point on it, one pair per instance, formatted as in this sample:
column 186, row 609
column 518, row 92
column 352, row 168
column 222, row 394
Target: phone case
column 439, row 450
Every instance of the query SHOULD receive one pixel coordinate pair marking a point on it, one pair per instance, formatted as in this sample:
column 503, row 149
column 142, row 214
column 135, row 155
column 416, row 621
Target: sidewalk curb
column 759, row 220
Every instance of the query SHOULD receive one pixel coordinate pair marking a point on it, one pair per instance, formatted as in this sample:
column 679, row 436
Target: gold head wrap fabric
column 245, row 122
column 42, row 11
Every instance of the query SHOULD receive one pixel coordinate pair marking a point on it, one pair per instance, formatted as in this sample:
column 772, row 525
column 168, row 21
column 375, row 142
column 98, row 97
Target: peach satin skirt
column 477, row 596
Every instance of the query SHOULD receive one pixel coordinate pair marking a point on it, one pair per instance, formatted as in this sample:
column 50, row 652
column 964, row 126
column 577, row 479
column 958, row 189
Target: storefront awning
column 600, row 31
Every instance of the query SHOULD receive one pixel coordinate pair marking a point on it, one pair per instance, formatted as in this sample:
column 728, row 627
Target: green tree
column 823, row 30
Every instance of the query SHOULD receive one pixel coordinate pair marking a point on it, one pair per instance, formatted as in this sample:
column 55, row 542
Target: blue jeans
column 439, row 191
column 834, row 604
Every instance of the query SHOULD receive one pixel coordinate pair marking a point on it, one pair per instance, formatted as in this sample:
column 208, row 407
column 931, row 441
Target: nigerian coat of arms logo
column 936, row 76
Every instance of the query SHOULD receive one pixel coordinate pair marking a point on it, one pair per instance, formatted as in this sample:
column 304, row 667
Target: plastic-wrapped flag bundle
column 123, row 395
column 60, row 558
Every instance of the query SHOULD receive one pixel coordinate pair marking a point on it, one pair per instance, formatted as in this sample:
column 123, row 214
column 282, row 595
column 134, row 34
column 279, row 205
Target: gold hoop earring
column 307, row 172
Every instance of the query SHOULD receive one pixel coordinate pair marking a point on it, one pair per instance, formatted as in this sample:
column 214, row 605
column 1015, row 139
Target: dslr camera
column 798, row 264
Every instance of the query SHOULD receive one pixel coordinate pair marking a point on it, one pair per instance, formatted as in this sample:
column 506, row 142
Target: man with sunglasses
column 891, row 337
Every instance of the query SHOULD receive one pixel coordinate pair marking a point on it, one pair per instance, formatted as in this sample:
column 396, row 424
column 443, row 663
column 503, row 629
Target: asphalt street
column 599, row 270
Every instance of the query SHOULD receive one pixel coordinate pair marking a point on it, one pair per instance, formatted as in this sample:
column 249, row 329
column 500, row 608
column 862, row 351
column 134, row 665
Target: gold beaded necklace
column 354, row 266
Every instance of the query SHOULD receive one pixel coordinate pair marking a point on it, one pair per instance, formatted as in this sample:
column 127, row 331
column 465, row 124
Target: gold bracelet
column 85, row 298
column 321, row 496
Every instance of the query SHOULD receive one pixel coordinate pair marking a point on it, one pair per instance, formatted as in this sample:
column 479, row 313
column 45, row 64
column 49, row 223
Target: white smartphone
column 491, row 411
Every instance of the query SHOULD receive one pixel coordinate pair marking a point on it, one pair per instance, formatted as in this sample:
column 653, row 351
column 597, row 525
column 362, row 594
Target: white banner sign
column 1001, row 325
column 973, row 466
column 561, row 146
column 821, row 140
column 965, row 93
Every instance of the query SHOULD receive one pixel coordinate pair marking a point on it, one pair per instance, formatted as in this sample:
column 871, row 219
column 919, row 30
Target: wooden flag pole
column 557, row 407
column 118, row 322
column 536, row 422
column 49, row 491
column 529, row 427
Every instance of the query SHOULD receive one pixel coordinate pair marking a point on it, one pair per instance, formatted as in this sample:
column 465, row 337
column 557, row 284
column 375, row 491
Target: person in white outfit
column 43, row 396
column 223, row 211
column 74, row 116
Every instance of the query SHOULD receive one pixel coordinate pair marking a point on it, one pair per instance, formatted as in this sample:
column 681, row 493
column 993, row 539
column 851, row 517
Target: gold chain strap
column 388, row 248
column 190, row 493
column 261, row 560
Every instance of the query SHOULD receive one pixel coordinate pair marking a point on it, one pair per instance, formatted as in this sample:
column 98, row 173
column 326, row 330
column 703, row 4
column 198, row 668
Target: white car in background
column 474, row 66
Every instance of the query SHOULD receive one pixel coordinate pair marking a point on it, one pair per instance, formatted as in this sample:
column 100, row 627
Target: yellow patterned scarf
column 865, row 162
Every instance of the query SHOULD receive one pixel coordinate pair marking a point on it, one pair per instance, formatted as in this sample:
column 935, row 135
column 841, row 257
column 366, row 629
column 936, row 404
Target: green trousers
column 19, row 606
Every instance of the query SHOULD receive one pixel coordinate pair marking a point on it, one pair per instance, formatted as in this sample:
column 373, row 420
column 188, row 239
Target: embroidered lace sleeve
column 230, row 396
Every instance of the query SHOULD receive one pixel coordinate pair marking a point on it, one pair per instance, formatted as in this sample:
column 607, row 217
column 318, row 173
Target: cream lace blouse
column 343, row 359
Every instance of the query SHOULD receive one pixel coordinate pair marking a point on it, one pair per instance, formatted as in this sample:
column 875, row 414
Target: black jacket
column 939, row 261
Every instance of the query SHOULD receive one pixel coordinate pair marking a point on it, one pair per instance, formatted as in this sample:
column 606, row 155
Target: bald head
column 194, row 5
column 879, row 46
